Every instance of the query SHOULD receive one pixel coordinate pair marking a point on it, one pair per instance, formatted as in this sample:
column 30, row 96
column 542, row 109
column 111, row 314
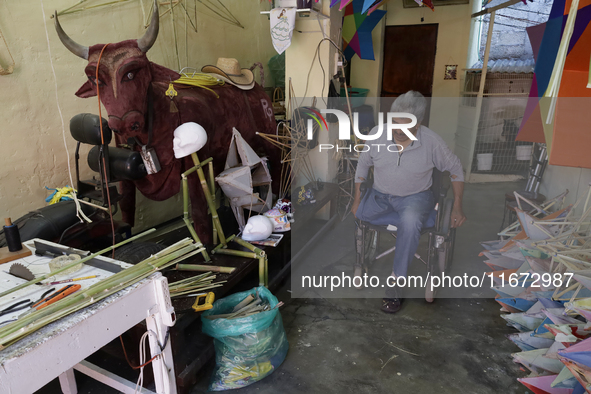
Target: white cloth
column 282, row 24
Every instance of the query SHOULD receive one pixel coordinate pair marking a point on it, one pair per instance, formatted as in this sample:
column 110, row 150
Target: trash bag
column 247, row 349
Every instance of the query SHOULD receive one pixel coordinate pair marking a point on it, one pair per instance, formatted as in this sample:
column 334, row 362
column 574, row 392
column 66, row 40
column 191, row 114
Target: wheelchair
column 440, row 232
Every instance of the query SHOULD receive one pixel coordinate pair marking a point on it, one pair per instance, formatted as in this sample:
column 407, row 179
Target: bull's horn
column 146, row 42
column 73, row 46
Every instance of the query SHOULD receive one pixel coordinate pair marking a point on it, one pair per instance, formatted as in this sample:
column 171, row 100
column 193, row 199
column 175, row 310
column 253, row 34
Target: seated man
column 401, row 188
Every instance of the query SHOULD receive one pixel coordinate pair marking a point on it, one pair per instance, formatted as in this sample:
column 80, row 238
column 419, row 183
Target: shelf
column 303, row 13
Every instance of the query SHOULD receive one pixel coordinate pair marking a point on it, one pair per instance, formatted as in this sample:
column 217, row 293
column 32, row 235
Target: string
column 79, row 213
column 11, row 67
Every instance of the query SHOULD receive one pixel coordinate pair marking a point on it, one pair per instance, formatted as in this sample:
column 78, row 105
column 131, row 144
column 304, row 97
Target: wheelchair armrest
column 364, row 187
column 442, row 193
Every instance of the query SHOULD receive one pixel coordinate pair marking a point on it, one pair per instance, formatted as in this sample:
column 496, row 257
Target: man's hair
column 412, row 102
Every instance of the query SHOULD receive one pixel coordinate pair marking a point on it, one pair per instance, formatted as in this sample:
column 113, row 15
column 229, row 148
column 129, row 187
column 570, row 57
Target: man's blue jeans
column 408, row 213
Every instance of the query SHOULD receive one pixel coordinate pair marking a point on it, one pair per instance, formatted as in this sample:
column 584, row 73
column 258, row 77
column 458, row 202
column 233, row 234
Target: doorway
column 409, row 62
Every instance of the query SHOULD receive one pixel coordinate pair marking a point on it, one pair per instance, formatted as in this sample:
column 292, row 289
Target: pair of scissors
column 24, row 304
column 46, row 299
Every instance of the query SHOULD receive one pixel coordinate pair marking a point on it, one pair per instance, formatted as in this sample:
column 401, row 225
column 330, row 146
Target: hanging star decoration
column 357, row 28
column 427, row 3
column 370, row 6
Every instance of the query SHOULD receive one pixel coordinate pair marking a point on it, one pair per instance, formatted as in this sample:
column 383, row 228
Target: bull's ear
column 163, row 74
column 86, row 90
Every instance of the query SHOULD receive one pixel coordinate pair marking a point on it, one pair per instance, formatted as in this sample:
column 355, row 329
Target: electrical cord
column 79, row 213
column 162, row 346
column 140, row 381
column 317, row 54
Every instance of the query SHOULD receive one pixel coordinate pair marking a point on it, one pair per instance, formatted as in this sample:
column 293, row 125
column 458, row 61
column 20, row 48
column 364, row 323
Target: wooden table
column 60, row 347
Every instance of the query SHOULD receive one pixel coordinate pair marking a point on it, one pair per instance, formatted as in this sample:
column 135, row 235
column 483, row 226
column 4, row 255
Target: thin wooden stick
column 212, row 268
column 81, row 261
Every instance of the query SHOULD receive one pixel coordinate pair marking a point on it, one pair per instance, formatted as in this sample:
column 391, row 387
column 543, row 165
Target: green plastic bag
column 246, row 349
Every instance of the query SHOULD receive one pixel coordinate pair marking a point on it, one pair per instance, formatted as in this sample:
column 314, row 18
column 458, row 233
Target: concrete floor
column 456, row 345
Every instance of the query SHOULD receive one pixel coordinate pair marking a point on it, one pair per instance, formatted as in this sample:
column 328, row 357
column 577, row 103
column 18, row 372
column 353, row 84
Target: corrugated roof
column 508, row 66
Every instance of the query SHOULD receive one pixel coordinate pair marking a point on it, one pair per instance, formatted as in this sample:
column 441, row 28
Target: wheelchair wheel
column 366, row 246
column 445, row 251
column 371, row 246
column 452, row 243
column 446, row 217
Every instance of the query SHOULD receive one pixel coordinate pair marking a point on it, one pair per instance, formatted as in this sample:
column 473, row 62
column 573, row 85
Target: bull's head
column 125, row 74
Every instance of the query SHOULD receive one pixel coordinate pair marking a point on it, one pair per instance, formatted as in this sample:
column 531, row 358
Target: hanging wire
column 222, row 12
column 79, row 213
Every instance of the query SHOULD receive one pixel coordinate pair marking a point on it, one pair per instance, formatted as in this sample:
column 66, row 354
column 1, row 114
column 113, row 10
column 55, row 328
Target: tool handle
column 16, row 307
column 209, row 298
column 59, row 282
column 63, row 292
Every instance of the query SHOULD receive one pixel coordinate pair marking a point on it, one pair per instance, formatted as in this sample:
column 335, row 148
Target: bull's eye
column 130, row 76
column 93, row 81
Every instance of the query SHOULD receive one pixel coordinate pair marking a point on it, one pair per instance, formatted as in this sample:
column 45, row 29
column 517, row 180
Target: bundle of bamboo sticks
column 193, row 285
column 28, row 324
column 249, row 306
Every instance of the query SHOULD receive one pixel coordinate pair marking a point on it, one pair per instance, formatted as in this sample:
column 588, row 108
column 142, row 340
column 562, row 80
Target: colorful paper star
column 344, row 3
column 357, row 29
column 371, row 5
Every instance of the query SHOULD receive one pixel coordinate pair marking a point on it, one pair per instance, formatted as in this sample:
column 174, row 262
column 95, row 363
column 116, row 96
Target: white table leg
column 68, row 382
column 163, row 366
column 156, row 322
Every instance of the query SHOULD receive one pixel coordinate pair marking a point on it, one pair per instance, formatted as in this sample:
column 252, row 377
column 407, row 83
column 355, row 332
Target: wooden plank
column 6, row 256
column 109, row 378
column 474, row 130
column 68, row 382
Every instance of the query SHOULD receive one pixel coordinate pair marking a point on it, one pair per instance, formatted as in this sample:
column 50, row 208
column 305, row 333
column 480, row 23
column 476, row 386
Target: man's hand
column 354, row 207
column 457, row 217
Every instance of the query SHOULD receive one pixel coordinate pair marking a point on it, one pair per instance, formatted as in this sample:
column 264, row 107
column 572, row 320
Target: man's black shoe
column 391, row 305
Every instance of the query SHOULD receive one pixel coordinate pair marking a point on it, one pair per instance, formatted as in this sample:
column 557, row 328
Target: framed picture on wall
column 451, row 71
column 436, row 3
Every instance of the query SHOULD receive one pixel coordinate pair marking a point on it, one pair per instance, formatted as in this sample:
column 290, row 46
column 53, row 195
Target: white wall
column 557, row 179
column 452, row 48
column 299, row 67
column 32, row 152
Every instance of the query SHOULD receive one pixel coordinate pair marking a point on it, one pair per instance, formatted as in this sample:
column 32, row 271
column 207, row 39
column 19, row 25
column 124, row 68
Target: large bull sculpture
column 130, row 87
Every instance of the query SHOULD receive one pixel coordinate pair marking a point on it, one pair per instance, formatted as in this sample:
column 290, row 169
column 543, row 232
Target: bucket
column 523, row 152
column 484, row 161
